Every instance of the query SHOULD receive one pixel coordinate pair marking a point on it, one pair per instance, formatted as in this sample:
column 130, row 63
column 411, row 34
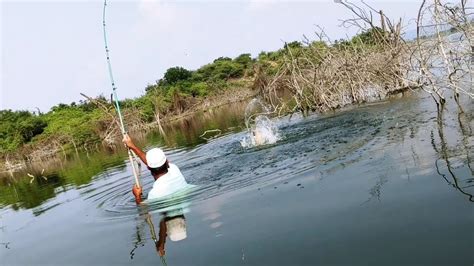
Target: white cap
column 155, row 158
column 176, row 228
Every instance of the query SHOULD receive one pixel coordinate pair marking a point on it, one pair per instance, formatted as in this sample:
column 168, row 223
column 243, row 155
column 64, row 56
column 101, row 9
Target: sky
column 50, row 51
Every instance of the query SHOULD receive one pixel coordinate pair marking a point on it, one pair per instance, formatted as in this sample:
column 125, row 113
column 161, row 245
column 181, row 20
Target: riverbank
column 187, row 127
column 53, row 152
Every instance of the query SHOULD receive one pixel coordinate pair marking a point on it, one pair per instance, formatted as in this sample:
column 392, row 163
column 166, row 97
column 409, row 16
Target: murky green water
column 377, row 185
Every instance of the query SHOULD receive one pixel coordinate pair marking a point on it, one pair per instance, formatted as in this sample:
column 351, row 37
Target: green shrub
column 199, row 89
column 176, row 74
column 220, row 69
column 244, row 59
column 18, row 128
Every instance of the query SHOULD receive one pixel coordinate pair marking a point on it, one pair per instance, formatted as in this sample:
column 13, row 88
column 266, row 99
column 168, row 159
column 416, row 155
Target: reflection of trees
column 27, row 194
column 138, row 241
column 466, row 131
column 186, row 131
column 375, row 191
column 23, row 194
column 443, row 151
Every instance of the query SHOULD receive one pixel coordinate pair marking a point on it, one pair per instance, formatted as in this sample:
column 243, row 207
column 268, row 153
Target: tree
column 294, row 44
column 244, row 59
column 221, row 70
column 150, row 87
column 372, row 36
column 17, row 128
column 222, row 58
column 175, row 74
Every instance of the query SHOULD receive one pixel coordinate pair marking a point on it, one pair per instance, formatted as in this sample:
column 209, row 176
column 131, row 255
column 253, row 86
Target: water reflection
column 187, row 131
column 172, row 226
column 28, row 193
column 465, row 121
column 376, row 190
column 446, row 154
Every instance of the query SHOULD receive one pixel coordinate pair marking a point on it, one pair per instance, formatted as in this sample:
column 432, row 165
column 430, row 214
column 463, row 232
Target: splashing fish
column 261, row 130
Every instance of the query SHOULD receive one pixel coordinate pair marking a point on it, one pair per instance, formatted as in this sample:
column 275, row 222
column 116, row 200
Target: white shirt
column 169, row 183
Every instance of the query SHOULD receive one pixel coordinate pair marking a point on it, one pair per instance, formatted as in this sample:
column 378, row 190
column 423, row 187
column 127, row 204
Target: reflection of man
column 168, row 177
column 172, row 227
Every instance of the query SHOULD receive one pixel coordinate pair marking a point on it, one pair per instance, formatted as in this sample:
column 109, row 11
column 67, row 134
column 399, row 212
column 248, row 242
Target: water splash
column 253, row 109
column 261, row 130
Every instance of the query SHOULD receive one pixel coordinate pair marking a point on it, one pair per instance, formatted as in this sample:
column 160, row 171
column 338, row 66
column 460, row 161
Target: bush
column 223, row 68
column 17, row 128
column 244, row 59
column 176, row 74
column 293, row 45
column 145, row 106
column 72, row 122
column 199, row 89
column 372, row 37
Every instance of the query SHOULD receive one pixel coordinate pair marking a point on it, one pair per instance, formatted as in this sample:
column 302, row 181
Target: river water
column 381, row 184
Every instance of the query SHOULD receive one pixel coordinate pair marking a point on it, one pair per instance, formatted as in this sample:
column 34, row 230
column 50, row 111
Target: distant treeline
column 80, row 124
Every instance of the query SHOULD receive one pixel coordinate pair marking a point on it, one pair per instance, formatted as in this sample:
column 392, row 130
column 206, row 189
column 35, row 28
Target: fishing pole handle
column 134, row 169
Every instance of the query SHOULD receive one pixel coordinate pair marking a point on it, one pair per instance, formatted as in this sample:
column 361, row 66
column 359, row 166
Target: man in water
column 168, row 177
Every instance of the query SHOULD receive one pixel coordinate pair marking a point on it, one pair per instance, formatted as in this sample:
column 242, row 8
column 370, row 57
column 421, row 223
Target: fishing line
column 131, row 154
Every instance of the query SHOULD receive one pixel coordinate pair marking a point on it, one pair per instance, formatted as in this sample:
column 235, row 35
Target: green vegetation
column 18, row 128
column 71, row 125
column 372, row 37
column 78, row 125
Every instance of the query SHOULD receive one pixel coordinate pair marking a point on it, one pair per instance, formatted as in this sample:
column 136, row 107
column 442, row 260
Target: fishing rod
column 131, row 154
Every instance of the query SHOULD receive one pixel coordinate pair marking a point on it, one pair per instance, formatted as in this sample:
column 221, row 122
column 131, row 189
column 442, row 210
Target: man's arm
column 160, row 245
column 129, row 143
column 137, row 191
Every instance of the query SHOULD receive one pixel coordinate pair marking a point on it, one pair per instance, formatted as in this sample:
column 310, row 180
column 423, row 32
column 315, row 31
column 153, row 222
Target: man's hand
column 137, row 192
column 127, row 141
column 160, row 248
